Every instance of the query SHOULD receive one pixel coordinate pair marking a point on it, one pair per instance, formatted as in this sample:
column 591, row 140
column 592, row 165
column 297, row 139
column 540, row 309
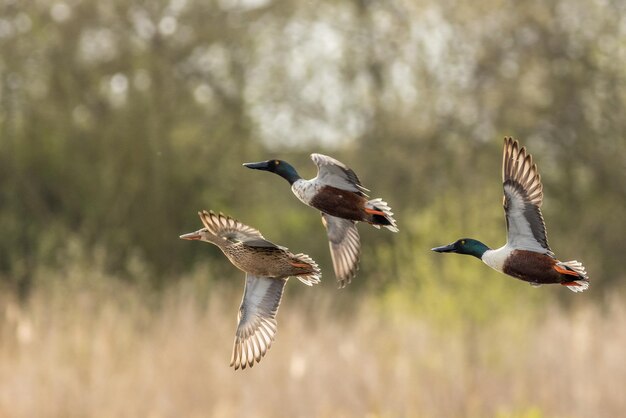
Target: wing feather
column 224, row 226
column 345, row 247
column 334, row 173
column 523, row 196
column 256, row 320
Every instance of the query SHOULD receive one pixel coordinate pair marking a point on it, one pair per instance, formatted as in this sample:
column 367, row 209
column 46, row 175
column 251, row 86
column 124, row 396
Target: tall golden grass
column 102, row 348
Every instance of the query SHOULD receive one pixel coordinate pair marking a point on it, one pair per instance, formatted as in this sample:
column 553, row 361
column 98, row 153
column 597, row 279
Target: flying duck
column 267, row 267
column 526, row 254
column 338, row 193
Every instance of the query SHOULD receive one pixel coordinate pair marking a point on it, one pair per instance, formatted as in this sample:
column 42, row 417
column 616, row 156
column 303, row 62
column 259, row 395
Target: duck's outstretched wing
column 523, row 195
column 345, row 247
column 334, row 173
column 224, row 226
column 256, row 320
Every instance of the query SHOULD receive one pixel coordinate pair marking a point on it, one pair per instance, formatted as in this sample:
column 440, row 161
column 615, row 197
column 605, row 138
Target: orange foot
column 374, row 212
column 565, row 271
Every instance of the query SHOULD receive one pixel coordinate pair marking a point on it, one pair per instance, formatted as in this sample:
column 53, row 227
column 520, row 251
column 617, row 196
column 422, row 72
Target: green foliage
column 120, row 120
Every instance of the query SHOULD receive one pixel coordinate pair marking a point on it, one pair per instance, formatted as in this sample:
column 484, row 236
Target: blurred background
column 120, row 119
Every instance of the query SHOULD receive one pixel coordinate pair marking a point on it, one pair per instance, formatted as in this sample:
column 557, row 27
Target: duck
column 341, row 198
column 526, row 255
column 267, row 267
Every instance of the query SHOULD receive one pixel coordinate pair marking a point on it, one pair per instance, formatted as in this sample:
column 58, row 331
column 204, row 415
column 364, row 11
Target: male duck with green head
column 337, row 192
column 526, row 254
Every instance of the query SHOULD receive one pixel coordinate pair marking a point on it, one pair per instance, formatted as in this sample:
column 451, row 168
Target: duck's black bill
column 444, row 249
column 263, row 165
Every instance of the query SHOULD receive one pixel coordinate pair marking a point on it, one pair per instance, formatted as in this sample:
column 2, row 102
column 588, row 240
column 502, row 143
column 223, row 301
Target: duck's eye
column 462, row 242
column 276, row 162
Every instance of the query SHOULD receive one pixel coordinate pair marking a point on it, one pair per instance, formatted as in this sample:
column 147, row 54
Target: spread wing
column 229, row 228
column 345, row 247
column 256, row 320
column 334, row 173
column 523, row 195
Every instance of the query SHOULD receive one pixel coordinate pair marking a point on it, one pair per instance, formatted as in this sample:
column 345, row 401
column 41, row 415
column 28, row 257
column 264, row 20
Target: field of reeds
column 86, row 345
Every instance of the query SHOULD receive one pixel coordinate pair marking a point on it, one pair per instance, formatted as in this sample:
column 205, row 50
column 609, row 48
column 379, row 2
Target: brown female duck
column 267, row 267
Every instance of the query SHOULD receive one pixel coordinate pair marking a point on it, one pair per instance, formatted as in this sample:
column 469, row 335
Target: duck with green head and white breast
column 338, row 193
column 526, row 254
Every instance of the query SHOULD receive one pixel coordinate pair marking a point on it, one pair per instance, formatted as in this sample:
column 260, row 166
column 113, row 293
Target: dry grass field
column 108, row 349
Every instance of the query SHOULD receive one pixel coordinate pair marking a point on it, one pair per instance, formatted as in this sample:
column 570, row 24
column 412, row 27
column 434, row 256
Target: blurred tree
column 119, row 120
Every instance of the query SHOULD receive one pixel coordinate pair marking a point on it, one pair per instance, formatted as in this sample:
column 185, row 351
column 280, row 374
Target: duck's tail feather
column 577, row 285
column 576, row 270
column 313, row 277
column 380, row 214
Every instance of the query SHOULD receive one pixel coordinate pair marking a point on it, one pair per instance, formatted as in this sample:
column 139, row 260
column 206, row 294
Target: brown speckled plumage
column 267, row 267
column 252, row 253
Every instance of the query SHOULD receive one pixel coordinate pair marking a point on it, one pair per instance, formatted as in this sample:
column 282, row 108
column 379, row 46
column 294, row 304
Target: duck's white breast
column 305, row 190
column 496, row 258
